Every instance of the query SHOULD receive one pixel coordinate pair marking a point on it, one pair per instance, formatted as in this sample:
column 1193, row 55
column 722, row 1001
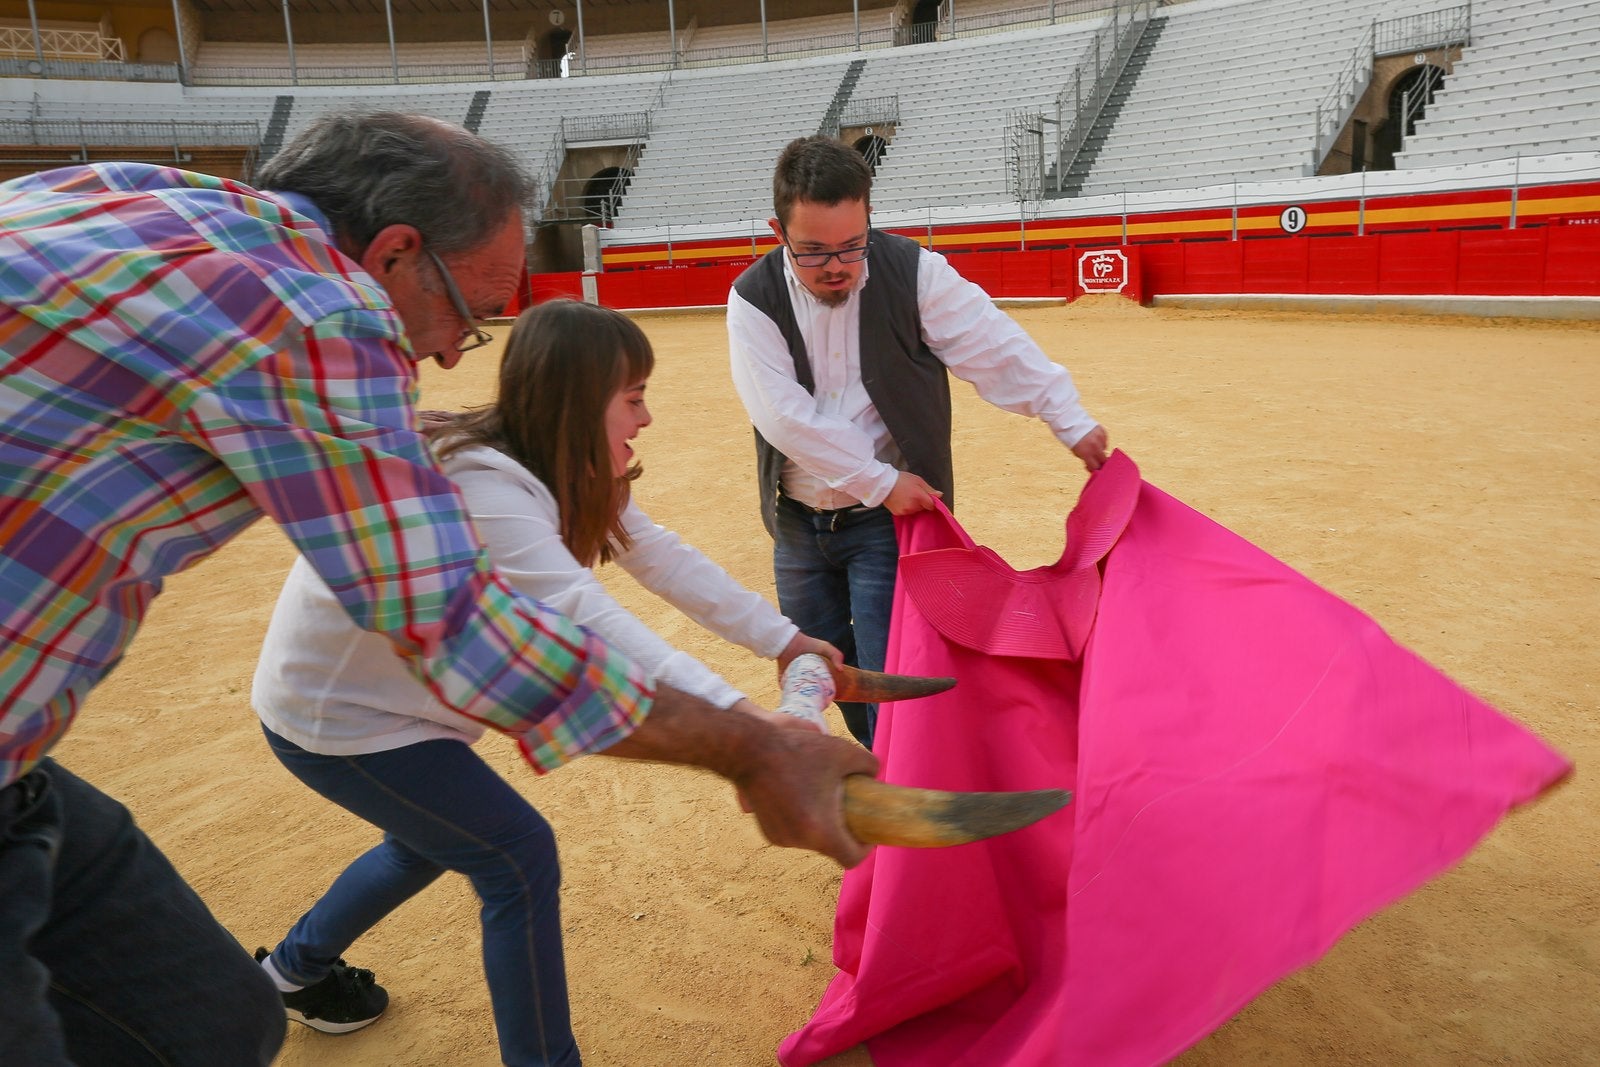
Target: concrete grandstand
column 993, row 120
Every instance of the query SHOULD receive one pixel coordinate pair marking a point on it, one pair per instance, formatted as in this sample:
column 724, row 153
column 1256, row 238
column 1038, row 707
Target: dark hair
column 564, row 362
column 821, row 170
column 366, row 171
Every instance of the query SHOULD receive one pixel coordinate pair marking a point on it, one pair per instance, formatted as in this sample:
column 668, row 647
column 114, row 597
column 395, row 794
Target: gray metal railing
column 1017, row 18
column 164, row 141
column 1025, row 155
column 361, row 74
column 1339, row 102
column 88, row 70
column 633, row 125
column 869, row 111
column 1423, row 32
column 176, row 133
column 1415, row 100
column 554, row 157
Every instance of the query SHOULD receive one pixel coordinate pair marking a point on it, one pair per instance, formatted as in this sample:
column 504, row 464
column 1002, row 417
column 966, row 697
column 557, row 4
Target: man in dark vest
column 842, row 341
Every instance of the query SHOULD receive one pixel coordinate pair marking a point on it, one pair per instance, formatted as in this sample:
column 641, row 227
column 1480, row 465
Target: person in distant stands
column 841, row 341
column 546, row 472
column 183, row 355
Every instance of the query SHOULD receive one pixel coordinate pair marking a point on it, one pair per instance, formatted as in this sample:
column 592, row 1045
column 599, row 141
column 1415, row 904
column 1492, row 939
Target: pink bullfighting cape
column 1256, row 766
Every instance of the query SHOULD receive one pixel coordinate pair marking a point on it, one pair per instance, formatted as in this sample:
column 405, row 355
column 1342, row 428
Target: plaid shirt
column 182, row 354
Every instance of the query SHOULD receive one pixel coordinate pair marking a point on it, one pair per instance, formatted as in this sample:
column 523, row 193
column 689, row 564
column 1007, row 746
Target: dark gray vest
column 903, row 378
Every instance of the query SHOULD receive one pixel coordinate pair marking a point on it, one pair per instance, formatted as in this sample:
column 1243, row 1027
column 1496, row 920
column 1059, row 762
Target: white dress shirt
column 839, row 451
column 331, row 687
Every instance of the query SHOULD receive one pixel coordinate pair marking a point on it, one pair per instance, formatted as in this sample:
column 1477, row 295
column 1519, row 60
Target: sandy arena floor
column 1439, row 473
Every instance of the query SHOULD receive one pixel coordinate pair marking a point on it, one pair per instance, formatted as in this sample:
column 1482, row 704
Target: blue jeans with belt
column 835, row 573
column 106, row 955
column 442, row 808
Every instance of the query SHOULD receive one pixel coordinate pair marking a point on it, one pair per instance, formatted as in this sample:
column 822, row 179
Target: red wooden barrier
column 1556, row 260
column 1572, row 263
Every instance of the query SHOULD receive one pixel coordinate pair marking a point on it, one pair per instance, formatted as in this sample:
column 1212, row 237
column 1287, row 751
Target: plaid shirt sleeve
column 311, row 432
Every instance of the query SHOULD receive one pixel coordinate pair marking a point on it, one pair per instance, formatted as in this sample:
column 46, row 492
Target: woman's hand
column 800, row 644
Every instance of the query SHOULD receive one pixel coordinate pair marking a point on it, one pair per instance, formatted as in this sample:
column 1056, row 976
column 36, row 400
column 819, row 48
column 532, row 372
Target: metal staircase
column 1041, row 148
column 1071, row 184
column 829, row 126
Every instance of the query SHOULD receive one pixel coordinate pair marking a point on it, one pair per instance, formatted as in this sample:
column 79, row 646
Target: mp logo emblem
column 1105, row 271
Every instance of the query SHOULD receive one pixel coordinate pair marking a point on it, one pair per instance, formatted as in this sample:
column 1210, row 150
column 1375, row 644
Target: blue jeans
column 835, row 575
column 442, row 808
column 106, row 955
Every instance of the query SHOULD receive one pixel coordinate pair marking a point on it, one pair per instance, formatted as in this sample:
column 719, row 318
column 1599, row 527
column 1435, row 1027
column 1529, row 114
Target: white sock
column 283, row 984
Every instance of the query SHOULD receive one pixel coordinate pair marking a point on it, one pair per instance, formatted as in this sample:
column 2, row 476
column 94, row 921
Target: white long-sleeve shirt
column 333, row 688
column 839, row 451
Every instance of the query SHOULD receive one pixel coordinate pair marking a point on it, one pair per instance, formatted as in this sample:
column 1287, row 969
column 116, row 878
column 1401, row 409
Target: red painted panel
column 1417, row 264
column 703, row 285
column 1276, row 266
column 1024, row 273
column 1572, row 265
column 1343, row 265
column 543, row 287
column 984, row 270
column 1062, row 270
column 1502, row 263
column 1161, row 268
column 1212, row 267
column 630, row 289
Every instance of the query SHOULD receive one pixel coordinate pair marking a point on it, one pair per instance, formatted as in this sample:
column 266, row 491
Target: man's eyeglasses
column 473, row 336
column 820, row 259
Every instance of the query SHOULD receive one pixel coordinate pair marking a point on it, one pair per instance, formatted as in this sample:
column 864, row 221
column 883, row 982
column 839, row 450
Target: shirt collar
column 301, row 204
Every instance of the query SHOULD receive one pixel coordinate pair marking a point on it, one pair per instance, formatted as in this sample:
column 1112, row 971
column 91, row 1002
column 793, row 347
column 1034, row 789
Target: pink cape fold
column 1256, row 767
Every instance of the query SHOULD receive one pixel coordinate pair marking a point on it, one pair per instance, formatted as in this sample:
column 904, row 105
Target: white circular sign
column 1292, row 219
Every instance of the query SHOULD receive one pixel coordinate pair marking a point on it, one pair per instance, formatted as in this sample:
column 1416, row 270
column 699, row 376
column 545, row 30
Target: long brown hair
column 563, row 364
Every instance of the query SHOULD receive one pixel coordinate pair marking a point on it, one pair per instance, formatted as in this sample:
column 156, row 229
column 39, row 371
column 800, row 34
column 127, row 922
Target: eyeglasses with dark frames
column 473, row 336
column 820, row 259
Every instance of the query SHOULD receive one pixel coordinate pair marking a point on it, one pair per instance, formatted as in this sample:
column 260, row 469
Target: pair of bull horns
column 879, row 813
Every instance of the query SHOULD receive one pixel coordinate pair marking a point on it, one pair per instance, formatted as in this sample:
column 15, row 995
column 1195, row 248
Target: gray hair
column 367, row 171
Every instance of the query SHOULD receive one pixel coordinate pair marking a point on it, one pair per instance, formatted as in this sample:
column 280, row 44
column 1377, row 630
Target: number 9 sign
column 1292, row 219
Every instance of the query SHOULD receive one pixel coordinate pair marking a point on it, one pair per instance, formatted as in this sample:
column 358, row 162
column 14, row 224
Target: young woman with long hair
column 546, row 471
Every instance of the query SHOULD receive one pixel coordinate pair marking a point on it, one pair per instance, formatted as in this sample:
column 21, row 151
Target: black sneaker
column 347, row 999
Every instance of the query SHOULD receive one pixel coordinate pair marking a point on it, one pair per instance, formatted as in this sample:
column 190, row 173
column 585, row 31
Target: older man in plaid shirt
column 181, row 355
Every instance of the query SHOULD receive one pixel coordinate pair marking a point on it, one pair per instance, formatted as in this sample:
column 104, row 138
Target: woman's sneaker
column 347, row 999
